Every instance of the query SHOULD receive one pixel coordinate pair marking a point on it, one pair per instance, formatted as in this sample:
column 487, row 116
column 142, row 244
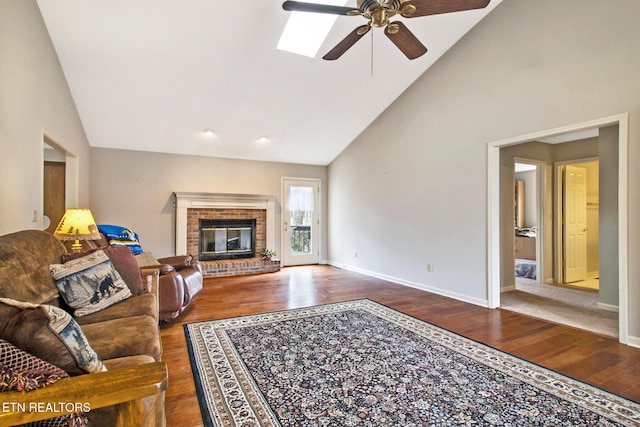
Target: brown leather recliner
column 180, row 283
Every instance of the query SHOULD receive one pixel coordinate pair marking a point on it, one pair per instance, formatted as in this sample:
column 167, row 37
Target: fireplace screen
column 226, row 239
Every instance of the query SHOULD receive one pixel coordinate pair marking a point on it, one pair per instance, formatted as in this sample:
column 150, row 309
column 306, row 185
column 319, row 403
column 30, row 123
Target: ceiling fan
column 378, row 13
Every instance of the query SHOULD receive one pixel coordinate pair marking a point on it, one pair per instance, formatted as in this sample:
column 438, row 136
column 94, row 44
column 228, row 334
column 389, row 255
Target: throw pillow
column 123, row 261
column 21, row 371
column 49, row 333
column 90, row 283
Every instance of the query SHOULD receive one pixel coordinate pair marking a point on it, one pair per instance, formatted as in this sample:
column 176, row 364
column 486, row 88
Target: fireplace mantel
column 186, row 200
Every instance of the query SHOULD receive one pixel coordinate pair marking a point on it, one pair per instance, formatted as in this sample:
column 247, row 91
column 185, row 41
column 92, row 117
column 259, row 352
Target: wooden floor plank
column 588, row 357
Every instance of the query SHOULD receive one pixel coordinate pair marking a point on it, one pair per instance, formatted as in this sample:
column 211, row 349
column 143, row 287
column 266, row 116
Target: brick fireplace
column 196, row 214
column 192, row 207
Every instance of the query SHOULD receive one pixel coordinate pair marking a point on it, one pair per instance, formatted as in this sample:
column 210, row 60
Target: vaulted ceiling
column 151, row 75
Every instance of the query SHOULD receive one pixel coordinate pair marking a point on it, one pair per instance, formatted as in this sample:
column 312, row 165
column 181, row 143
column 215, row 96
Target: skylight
column 305, row 32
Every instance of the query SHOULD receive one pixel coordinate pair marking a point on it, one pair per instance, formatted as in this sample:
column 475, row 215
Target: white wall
column 34, row 100
column 531, row 65
column 608, row 225
column 135, row 189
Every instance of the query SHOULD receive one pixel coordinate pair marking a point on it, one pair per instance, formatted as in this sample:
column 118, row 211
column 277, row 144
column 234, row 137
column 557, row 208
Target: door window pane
column 300, row 216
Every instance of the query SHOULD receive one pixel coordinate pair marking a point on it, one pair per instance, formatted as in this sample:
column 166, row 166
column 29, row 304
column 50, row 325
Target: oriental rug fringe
column 360, row 363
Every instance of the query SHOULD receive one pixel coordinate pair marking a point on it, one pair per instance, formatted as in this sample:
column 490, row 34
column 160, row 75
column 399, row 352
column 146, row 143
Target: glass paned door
column 300, row 222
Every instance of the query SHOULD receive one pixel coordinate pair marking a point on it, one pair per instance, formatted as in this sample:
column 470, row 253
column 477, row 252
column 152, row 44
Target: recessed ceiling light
column 263, row 139
column 209, row 133
column 305, row 32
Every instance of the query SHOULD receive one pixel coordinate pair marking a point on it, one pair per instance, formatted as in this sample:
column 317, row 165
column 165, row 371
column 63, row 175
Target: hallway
column 568, row 306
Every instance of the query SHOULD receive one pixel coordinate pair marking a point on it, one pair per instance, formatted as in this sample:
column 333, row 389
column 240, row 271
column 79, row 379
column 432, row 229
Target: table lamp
column 77, row 224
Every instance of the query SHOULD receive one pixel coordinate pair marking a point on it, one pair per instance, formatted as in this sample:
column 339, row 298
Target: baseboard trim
column 421, row 286
column 608, row 307
column 633, row 341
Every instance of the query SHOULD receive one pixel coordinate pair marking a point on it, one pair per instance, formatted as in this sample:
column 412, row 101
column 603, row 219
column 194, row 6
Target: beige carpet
column 572, row 307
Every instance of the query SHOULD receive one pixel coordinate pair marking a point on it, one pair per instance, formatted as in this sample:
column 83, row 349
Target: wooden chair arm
column 155, row 282
column 154, row 273
column 90, row 391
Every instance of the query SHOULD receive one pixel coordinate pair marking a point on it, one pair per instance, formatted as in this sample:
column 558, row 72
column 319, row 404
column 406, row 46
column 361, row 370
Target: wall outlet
column 430, row 268
column 355, row 254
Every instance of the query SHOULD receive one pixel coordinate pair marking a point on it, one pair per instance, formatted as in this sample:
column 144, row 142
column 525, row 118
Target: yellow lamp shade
column 77, row 224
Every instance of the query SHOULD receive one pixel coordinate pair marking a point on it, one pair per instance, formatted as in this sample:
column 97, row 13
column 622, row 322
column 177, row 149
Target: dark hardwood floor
column 588, row 357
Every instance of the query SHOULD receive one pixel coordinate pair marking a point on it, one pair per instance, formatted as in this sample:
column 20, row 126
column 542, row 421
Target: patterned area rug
column 360, row 363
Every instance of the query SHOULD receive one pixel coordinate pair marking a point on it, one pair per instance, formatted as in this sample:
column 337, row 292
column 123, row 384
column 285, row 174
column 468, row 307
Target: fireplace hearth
column 226, row 239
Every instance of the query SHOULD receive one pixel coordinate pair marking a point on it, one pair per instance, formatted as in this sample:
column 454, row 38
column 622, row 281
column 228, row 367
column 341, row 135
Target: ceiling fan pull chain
column 371, row 53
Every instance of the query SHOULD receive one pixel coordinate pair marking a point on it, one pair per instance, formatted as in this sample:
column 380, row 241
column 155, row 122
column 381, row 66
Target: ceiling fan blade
column 435, row 7
column 404, row 39
column 297, row 6
column 347, row 42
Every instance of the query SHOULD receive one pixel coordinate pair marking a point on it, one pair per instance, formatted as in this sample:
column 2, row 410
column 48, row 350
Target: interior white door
column 301, row 222
column 575, row 224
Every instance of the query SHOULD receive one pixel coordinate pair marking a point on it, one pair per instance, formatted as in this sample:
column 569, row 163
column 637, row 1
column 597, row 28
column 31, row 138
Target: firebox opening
column 226, row 239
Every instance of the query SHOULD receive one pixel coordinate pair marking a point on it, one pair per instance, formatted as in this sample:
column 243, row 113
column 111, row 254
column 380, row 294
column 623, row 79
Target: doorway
column 67, row 196
column 300, row 221
column 54, row 195
column 616, row 129
column 560, row 298
column 529, row 209
column 54, row 187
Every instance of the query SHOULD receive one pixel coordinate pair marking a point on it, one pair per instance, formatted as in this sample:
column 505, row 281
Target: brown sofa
column 124, row 335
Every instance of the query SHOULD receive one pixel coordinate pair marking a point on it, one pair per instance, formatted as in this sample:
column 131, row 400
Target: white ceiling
column 150, row 75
